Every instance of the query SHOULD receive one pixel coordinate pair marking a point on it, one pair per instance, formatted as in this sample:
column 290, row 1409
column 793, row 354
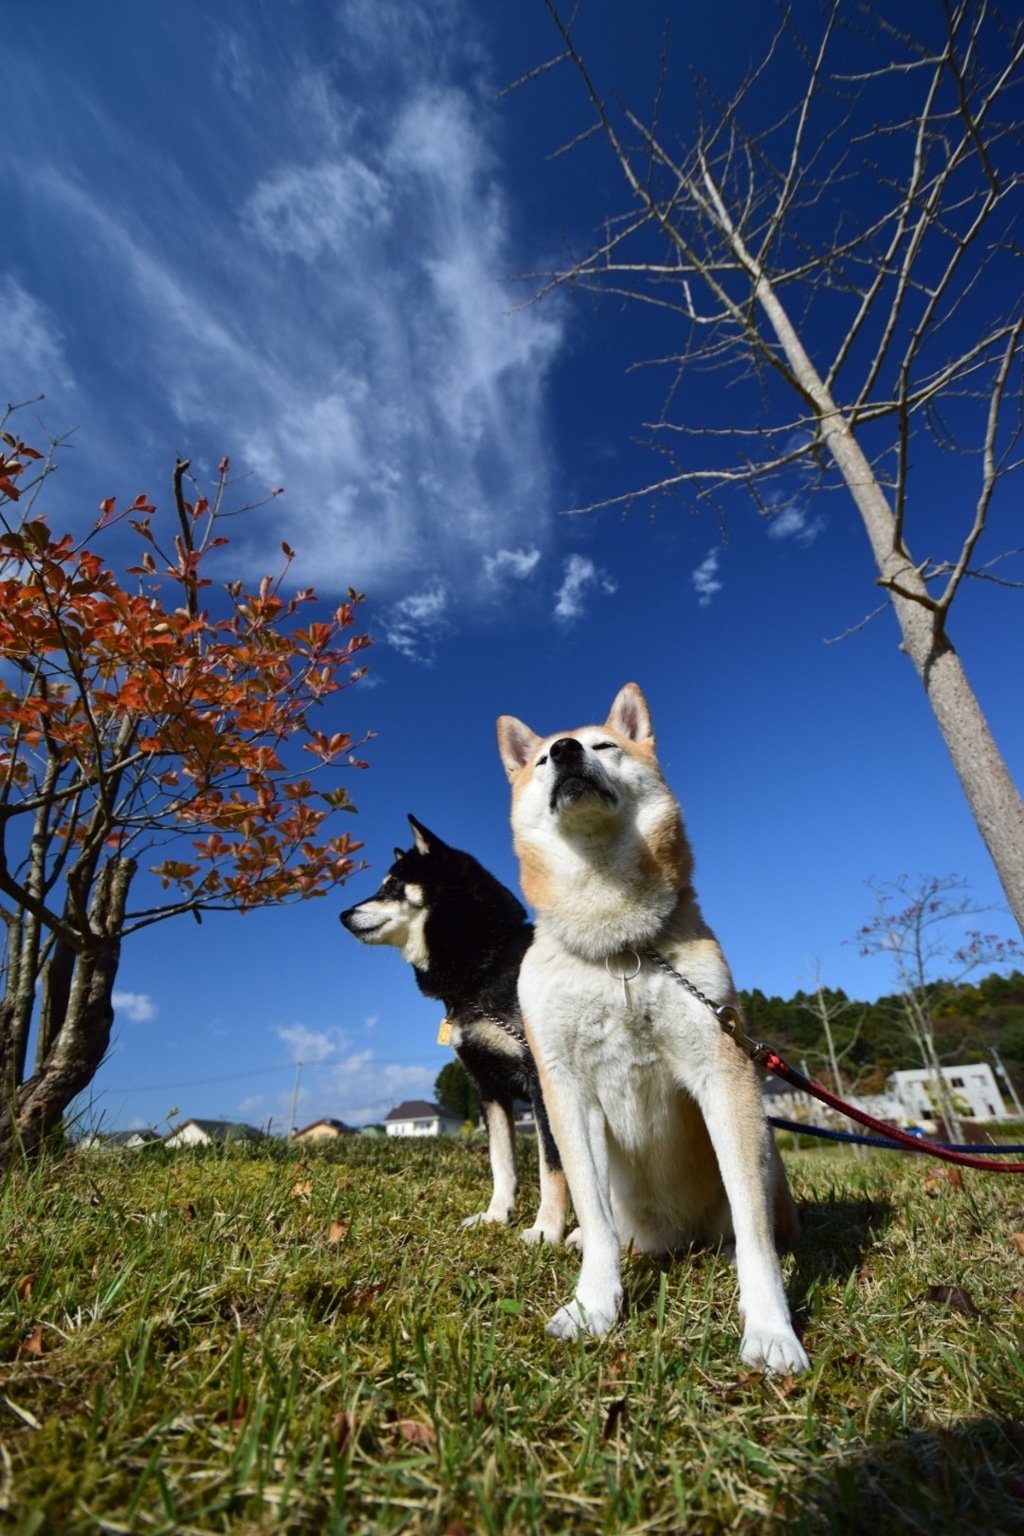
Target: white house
column 418, row 1118
column 102, row 1141
column 973, row 1087
column 204, row 1133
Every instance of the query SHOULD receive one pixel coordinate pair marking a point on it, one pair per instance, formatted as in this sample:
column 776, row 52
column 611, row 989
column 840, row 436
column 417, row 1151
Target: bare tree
column 917, row 927
column 850, row 267
column 828, row 1008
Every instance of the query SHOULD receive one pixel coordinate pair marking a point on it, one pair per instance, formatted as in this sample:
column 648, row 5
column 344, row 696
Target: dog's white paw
column 474, row 1221
column 575, row 1239
column 572, row 1320
column 773, row 1350
column 539, row 1234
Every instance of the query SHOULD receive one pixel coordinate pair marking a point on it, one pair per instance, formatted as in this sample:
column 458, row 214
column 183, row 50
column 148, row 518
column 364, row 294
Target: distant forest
column 871, row 1039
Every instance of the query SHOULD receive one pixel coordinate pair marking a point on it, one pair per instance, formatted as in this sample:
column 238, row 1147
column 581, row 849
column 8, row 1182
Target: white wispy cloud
column 705, row 578
column 139, row 1007
column 342, row 327
column 311, row 1045
column 310, row 211
column 795, row 523
column 511, row 565
column 362, row 1090
column 582, row 579
column 415, row 623
column 33, row 346
column 357, row 1089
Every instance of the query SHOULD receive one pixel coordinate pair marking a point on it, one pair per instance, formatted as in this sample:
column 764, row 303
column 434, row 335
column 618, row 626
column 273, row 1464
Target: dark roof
column 122, row 1138
column 776, row 1088
column 419, row 1109
column 222, row 1130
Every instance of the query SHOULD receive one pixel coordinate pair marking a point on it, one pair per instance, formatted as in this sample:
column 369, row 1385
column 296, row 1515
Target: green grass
column 247, row 1342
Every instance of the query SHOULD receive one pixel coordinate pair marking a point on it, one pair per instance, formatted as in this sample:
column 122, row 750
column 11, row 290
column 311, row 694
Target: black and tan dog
column 465, row 935
column 657, row 1112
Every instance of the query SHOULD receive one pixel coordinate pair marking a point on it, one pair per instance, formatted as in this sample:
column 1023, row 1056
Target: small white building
column 205, row 1133
column 107, row 1141
column 972, row 1087
column 416, row 1117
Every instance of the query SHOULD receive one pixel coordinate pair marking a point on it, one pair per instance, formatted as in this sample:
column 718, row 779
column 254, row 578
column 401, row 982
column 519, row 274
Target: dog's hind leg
column 501, row 1145
column 549, row 1224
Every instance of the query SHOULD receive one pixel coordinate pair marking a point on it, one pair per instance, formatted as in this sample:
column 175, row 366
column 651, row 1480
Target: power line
column 198, row 1082
column 286, row 1066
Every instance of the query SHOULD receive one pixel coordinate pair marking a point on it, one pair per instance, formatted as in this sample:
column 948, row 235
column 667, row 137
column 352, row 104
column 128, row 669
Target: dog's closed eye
column 541, row 761
column 605, row 746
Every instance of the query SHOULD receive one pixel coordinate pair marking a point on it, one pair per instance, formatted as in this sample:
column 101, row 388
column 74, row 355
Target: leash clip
column 729, row 1018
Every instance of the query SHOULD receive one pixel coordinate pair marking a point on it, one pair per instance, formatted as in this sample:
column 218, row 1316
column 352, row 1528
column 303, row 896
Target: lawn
column 258, row 1341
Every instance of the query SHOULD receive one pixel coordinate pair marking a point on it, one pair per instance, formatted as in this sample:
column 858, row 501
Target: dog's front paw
column 474, row 1221
column 575, row 1239
column 571, row 1320
column 567, row 1323
column 773, row 1350
column 540, row 1234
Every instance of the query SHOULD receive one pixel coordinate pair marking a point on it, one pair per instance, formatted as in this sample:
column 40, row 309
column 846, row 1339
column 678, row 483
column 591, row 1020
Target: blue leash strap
column 996, row 1149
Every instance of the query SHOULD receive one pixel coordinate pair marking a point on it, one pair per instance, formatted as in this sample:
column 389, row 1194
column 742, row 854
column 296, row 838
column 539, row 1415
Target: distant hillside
column 968, row 1019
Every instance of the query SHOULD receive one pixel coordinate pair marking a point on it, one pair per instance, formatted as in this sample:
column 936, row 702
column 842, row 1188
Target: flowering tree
column 135, row 723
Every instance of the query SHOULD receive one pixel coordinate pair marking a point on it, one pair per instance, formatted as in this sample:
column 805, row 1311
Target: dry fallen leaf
column 33, row 1345
column 239, row 1411
column 337, row 1230
column 362, row 1296
column 1018, row 1238
column 936, row 1177
column 24, row 1287
column 302, row 1189
column 342, row 1427
column 956, row 1297
column 414, row 1432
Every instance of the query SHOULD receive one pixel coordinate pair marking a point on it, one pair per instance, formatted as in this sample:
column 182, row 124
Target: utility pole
column 295, row 1099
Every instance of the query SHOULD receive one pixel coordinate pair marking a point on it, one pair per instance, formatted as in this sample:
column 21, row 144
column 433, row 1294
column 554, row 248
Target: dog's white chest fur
column 613, row 1025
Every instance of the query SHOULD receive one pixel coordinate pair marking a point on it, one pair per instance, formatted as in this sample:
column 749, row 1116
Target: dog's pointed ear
column 516, row 743
column 425, row 841
column 630, row 716
column 399, row 853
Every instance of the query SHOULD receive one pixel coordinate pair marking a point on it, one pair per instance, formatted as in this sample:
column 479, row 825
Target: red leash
column 782, row 1069
column 730, row 1020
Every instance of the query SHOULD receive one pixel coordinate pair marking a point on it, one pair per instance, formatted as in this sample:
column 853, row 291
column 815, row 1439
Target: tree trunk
column 78, row 1046
column 994, row 799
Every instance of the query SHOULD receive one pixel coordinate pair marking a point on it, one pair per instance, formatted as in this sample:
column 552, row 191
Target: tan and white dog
column 656, row 1111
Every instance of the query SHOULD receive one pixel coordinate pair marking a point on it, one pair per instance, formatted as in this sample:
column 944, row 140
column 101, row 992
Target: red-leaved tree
column 137, row 723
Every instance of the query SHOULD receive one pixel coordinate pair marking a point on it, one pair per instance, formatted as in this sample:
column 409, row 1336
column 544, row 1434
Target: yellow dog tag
column 444, row 1032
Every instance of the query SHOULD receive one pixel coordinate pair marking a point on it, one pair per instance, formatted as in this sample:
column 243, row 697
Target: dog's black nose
column 566, row 748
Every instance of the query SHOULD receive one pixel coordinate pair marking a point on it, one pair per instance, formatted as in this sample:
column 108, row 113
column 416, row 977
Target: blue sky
column 289, row 233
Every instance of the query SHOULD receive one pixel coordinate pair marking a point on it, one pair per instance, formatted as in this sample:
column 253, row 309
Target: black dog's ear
column 399, row 853
column 425, row 841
